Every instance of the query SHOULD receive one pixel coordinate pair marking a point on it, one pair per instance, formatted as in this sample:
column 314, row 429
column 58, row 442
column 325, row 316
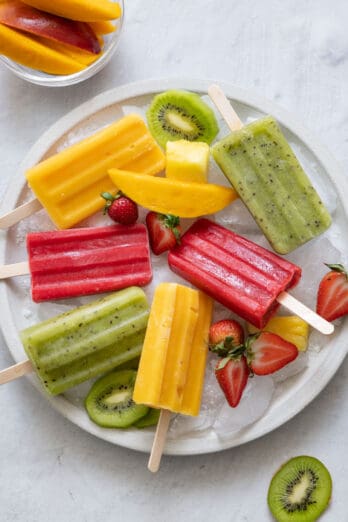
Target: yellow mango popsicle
column 69, row 183
column 172, row 364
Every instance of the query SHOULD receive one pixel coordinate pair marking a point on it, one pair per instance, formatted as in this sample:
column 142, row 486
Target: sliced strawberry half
column 164, row 231
column 332, row 298
column 267, row 353
column 232, row 375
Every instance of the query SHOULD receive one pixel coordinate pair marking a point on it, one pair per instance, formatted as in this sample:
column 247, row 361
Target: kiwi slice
column 150, row 419
column 176, row 115
column 300, row 491
column 109, row 402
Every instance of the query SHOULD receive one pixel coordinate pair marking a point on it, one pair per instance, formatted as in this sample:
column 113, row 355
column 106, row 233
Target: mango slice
column 79, row 55
column 171, row 196
column 103, row 27
column 29, row 52
column 81, row 10
column 291, row 328
column 30, row 20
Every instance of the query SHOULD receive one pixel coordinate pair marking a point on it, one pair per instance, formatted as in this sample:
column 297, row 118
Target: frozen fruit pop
column 85, row 342
column 85, row 261
column 246, row 278
column 68, row 184
column 260, row 164
column 171, row 369
column 238, row 273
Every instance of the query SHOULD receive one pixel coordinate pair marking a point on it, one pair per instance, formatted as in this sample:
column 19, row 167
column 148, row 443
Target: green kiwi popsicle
column 263, row 169
column 87, row 341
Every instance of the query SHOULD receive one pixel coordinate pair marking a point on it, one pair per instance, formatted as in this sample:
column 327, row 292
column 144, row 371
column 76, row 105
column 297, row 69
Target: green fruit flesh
column 151, row 419
column 109, row 402
column 300, row 491
column 175, row 115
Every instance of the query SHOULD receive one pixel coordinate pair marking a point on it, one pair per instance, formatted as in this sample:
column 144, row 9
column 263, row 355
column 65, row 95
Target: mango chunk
column 291, row 328
column 168, row 196
column 187, row 160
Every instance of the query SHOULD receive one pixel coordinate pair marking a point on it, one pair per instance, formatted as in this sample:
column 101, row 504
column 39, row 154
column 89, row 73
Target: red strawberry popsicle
column 85, row 261
column 241, row 275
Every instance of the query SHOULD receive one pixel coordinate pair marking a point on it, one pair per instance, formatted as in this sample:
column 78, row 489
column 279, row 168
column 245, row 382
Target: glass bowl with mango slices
column 59, row 46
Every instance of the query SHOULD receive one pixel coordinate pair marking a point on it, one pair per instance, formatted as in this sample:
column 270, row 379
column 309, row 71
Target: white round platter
column 295, row 393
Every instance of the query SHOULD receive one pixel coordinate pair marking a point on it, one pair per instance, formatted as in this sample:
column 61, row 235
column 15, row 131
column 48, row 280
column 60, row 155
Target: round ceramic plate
column 293, row 394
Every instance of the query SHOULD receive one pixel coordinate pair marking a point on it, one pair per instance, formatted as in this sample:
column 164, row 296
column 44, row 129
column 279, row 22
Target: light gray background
column 294, row 52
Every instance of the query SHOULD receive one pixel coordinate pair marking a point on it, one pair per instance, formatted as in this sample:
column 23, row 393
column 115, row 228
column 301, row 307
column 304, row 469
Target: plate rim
column 141, row 440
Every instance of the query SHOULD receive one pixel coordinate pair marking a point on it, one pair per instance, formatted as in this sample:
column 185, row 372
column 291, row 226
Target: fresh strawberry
column 225, row 335
column 332, row 299
column 164, row 231
column 120, row 208
column 267, row 353
column 232, row 375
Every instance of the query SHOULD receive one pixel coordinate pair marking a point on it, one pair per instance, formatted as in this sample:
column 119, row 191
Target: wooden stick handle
column 19, row 213
column 159, row 441
column 15, row 372
column 14, row 270
column 298, row 308
column 224, row 107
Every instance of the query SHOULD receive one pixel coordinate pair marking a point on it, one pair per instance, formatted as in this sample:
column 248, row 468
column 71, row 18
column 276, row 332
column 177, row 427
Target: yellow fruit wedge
column 81, row 10
column 291, row 328
column 103, row 27
column 168, row 196
column 29, row 52
column 76, row 54
column 187, row 160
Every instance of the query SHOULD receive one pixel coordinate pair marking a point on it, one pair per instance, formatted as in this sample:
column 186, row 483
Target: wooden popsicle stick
column 226, row 110
column 14, row 270
column 298, row 308
column 234, row 123
column 159, row 441
column 15, row 372
column 19, row 213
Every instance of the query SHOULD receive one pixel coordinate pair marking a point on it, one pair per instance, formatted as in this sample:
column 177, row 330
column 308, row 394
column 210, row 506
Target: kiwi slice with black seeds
column 109, row 402
column 150, row 419
column 175, row 115
column 300, row 491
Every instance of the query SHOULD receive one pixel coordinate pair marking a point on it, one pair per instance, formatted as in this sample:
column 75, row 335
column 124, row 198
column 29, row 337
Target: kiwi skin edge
column 124, row 417
column 190, row 109
column 316, row 501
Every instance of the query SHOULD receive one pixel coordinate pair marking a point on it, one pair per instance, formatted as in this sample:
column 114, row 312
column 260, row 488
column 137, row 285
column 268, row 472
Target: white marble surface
column 292, row 51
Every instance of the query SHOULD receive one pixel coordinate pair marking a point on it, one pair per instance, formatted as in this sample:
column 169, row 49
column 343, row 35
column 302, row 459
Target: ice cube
column 212, row 402
column 255, row 401
column 49, row 309
column 312, row 261
column 291, row 369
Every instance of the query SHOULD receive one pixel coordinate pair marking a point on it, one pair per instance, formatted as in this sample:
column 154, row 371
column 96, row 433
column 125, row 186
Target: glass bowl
column 50, row 80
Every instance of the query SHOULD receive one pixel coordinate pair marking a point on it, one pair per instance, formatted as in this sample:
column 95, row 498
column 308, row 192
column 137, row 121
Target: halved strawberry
column 164, row 231
column 225, row 335
column 232, row 375
column 332, row 299
column 267, row 353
